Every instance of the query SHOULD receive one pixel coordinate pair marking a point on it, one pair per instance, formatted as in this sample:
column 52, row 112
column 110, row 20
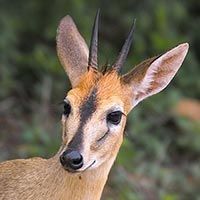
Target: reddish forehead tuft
column 108, row 86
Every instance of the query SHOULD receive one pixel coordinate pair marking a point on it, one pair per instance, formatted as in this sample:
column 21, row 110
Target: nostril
column 62, row 159
column 77, row 160
column 71, row 159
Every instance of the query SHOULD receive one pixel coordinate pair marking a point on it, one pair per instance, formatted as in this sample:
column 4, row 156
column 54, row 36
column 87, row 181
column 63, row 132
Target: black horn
column 125, row 49
column 93, row 53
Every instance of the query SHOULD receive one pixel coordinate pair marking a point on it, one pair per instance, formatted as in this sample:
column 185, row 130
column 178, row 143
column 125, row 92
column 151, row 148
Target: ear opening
column 72, row 50
column 153, row 75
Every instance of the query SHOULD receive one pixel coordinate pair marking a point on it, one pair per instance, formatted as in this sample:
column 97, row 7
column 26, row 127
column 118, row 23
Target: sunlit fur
column 37, row 178
column 47, row 179
column 111, row 96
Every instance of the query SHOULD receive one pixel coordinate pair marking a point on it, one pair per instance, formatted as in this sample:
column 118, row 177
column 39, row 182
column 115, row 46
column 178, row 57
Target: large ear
column 72, row 50
column 154, row 74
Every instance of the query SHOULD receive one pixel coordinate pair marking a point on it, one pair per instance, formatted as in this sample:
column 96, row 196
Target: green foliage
column 36, row 142
column 159, row 158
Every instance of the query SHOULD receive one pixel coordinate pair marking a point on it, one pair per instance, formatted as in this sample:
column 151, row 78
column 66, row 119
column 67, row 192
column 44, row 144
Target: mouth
column 89, row 166
column 80, row 171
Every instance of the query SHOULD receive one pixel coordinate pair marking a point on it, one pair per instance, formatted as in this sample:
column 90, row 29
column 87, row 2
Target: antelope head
column 96, row 108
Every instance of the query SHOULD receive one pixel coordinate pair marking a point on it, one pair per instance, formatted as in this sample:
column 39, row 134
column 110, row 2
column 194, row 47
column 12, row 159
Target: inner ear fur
column 72, row 50
column 154, row 74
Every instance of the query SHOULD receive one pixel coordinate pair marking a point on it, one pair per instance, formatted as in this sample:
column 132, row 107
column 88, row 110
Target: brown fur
column 41, row 179
column 108, row 85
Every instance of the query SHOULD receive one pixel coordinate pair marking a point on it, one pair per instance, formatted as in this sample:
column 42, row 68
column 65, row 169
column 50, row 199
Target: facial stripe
column 87, row 108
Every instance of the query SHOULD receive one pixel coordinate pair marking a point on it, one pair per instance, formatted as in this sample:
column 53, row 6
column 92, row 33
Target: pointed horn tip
column 92, row 60
column 97, row 14
column 125, row 48
column 98, row 10
column 133, row 25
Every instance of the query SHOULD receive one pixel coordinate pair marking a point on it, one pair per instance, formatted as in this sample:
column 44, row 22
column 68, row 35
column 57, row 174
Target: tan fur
column 39, row 179
column 108, row 85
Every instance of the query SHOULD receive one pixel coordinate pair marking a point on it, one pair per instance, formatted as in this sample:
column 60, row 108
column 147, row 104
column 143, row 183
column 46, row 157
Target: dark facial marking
column 87, row 108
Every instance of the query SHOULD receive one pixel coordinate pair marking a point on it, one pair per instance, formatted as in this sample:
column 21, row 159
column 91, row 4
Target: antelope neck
column 87, row 185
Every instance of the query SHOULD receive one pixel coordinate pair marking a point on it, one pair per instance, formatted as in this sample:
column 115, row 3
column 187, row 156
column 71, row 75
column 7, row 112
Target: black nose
column 71, row 160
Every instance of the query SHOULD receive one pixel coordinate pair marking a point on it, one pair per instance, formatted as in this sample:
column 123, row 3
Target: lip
column 89, row 166
column 80, row 171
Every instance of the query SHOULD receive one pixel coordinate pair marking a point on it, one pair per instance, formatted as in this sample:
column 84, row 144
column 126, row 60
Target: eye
column 114, row 117
column 67, row 109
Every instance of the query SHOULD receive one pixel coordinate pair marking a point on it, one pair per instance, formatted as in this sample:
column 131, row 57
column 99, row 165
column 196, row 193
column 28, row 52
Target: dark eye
column 67, row 109
column 114, row 117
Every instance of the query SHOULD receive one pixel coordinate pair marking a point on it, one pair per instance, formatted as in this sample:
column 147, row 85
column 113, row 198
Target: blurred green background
column 160, row 156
